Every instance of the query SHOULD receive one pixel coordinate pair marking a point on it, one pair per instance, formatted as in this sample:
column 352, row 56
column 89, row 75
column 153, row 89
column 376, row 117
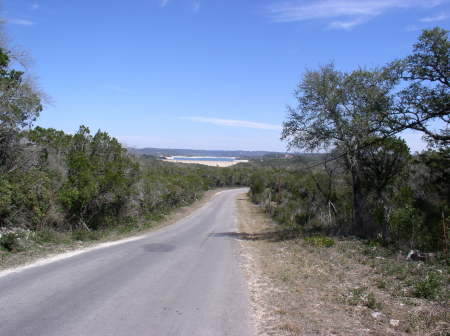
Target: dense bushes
column 411, row 213
column 99, row 181
column 166, row 185
column 86, row 182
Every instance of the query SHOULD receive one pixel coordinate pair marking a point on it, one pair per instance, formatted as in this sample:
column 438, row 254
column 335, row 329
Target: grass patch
column 85, row 235
column 50, row 237
column 381, row 283
column 372, row 302
column 319, row 241
column 357, row 296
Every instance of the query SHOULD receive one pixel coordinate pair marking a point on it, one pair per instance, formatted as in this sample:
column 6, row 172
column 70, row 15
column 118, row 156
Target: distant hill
column 201, row 152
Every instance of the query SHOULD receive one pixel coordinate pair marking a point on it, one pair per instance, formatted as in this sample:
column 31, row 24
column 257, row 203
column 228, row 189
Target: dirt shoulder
column 57, row 243
column 297, row 288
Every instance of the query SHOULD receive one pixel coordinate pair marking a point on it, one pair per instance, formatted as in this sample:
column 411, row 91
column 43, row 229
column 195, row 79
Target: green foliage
column 405, row 221
column 11, row 242
column 383, row 162
column 257, row 186
column 47, row 236
column 85, row 235
column 6, row 196
column 35, row 193
column 372, row 302
column 164, row 186
column 343, row 110
column 88, row 184
column 430, row 287
column 99, row 179
column 405, row 209
column 381, row 284
column 424, row 77
column 49, row 138
column 371, row 186
column 20, row 104
column 25, row 198
column 319, row 241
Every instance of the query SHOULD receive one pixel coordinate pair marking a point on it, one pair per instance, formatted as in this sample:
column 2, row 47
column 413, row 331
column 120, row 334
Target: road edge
column 76, row 248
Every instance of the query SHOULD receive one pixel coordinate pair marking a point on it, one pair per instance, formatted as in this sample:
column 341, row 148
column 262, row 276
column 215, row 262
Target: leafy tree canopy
column 426, row 98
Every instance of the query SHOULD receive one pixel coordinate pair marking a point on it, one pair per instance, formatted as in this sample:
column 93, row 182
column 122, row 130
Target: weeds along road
column 181, row 280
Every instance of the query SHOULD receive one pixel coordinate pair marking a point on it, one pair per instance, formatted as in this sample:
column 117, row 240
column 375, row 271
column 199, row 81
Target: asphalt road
column 181, row 280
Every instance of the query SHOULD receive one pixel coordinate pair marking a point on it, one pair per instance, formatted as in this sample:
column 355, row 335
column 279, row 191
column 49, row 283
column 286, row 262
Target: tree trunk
column 361, row 221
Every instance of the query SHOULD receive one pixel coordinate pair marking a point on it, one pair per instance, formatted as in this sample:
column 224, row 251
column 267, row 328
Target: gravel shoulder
column 345, row 289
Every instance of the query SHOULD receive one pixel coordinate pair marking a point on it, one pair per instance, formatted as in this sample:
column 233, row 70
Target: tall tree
column 20, row 105
column 341, row 110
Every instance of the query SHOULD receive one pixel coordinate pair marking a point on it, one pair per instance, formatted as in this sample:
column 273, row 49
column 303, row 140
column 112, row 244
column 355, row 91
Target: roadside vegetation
column 368, row 184
column 318, row 285
column 58, row 188
column 366, row 201
column 361, row 240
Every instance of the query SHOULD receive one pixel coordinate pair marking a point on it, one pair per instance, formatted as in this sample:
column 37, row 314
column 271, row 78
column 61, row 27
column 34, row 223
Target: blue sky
column 204, row 74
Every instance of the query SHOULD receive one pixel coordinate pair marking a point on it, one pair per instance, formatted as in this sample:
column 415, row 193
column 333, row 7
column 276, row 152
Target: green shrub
column 46, row 236
column 6, row 196
column 11, row 242
column 319, row 241
column 381, row 283
column 372, row 302
column 126, row 228
column 428, row 288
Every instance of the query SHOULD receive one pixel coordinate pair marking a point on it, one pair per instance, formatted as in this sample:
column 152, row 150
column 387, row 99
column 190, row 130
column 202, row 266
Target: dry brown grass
column 299, row 289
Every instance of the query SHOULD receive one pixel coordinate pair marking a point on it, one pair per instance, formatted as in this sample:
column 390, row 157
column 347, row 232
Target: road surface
column 181, row 280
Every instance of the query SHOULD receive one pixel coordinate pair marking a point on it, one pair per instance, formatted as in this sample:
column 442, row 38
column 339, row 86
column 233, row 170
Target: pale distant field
column 209, row 163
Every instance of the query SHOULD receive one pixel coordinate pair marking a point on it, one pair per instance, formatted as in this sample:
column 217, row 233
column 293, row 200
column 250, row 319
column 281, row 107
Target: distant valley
column 202, row 152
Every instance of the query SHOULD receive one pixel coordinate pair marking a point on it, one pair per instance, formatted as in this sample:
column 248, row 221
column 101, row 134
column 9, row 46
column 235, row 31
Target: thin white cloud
column 164, row 3
column 344, row 14
column 196, row 5
column 34, row 6
column 435, row 18
column 21, row 22
column 347, row 25
column 234, row 123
